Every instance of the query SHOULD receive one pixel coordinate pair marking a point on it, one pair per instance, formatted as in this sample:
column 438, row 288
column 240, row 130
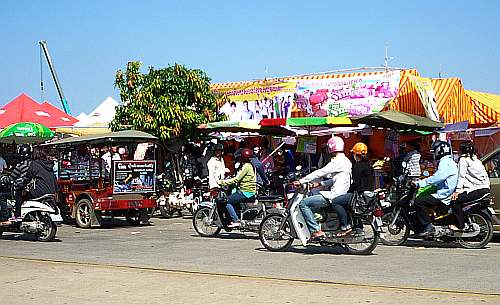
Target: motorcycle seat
column 482, row 198
column 45, row 197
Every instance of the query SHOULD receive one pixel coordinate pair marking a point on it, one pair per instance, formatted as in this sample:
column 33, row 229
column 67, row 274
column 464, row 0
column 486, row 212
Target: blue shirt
column 445, row 179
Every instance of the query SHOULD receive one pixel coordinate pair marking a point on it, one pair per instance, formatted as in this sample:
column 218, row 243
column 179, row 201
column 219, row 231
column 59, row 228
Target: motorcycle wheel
column 485, row 234
column 166, row 211
column 49, row 229
column 201, row 223
column 396, row 235
column 369, row 243
column 269, row 236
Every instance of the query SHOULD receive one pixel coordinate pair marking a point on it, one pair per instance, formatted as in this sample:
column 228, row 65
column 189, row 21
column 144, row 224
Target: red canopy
column 24, row 109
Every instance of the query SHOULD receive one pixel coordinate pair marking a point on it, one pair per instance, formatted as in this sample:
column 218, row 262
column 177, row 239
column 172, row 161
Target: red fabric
column 273, row 122
column 24, row 109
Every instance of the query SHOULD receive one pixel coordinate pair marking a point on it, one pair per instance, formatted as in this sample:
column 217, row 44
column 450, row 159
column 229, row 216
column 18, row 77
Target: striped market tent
column 485, row 106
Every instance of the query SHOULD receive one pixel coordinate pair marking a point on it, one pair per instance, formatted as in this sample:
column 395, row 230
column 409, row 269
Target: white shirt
column 216, row 171
column 413, row 163
column 471, row 175
column 339, row 169
column 3, row 164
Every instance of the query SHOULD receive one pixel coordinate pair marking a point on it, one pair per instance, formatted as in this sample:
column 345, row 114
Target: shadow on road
column 24, row 237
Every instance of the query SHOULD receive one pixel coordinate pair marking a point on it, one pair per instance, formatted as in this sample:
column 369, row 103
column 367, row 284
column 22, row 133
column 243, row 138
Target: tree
column 166, row 102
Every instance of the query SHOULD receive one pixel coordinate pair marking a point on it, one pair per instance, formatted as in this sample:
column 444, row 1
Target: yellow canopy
column 83, row 131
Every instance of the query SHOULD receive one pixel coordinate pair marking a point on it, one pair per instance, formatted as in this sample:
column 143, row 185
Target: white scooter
column 281, row 226
column 40, row 216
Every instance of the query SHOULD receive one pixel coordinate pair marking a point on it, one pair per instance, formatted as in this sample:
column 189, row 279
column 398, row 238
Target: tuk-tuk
column 107, row 175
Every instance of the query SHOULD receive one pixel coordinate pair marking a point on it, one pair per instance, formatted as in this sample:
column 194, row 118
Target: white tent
column 101, row 116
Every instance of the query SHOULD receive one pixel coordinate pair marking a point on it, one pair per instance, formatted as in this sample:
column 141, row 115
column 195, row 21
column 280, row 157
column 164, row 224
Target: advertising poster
column 134, row 176
column 347, row 96
column 264, row 100
column 426, row 93
column 306, row 144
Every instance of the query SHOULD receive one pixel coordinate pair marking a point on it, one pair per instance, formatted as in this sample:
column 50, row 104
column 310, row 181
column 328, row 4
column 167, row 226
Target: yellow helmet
column 359, row 148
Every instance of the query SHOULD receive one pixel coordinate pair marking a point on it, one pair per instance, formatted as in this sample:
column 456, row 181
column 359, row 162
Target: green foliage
column 165, row 102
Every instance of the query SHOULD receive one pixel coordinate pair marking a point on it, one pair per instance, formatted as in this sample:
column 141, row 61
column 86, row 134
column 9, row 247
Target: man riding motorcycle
column 445, row 179
column 339, row 170
column 18, row 179
column 246, row 186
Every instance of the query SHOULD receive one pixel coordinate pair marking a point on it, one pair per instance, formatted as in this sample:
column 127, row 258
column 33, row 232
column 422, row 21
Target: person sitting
column 246, row 183
column 339, row 170
column 362, row 180
column 473, row 182
column 262, row 179
column 17, row 178
column 41, row 175
column 445, row 179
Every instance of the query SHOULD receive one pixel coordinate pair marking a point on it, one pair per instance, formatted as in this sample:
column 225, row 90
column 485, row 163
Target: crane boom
column 64, row 102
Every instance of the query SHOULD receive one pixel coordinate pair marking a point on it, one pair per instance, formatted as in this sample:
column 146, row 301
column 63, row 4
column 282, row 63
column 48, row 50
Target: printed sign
column 134, row 176
column 426, row 93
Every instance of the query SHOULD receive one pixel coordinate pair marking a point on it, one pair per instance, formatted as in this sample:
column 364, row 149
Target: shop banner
column 271, row 99
column 427, row 96
column 134, row 176
column 347, row 96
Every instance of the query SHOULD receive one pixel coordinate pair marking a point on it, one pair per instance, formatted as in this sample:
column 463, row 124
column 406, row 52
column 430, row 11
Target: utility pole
column 387, row 58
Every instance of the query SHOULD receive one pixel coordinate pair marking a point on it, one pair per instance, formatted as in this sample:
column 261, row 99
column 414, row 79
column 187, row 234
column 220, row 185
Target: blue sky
column 238, row 40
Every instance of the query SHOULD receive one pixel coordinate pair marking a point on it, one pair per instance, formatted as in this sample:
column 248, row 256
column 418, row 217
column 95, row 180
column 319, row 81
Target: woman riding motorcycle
column 362, row 180
column 445, row 179
column 473, row 182
column 339, row 170
column 246, row 182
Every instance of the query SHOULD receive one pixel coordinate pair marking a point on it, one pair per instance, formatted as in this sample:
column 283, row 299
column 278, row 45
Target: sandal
column 344, row 233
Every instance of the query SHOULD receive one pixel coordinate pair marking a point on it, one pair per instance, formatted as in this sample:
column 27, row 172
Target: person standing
column 246, row 114
column 412, row 160
column 3, row 164
column 216, row 167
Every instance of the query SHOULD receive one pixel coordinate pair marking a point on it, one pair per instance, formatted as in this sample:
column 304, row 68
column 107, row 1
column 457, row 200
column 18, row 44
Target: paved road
column 417, row 268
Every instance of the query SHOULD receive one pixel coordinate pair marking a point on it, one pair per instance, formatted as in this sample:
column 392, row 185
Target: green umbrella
column 26, row 132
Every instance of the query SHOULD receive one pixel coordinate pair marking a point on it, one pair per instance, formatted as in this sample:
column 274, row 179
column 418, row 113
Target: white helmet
column 335, row 144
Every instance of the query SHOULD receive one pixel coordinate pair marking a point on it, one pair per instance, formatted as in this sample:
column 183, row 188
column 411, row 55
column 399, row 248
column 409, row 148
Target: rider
column 339, row 170
column 216, row 167
column 362, row 180
column 246, row 186
column 473, row 182
column 42, row 175
column 17, row 178
column 445, row 179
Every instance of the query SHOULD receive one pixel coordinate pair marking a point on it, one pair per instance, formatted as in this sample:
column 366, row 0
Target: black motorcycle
column 400, row 217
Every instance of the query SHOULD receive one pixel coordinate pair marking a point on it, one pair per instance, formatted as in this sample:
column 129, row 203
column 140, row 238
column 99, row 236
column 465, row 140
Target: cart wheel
column 84, row 211
column 133, row 217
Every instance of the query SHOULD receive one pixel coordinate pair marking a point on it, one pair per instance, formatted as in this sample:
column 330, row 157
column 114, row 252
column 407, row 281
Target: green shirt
column 245, row 180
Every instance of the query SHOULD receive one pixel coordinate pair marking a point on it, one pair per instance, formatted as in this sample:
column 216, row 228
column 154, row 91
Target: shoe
column 318, row 235
column 234, row 224
column 454, row 228
column 15, row 219
column 429, row 229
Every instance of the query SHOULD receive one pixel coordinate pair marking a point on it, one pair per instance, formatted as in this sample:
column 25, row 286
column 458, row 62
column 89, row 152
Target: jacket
column 18, row 175
column 362, row 177
column 216, row 171
column 339, row 170
column 445, row 179
column 245, row 179
column 44, row 181
column 471, row 175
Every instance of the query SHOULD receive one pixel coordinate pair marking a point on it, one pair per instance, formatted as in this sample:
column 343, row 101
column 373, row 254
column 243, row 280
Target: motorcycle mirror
column 299, row 167
column 426, row 174
column 186, row 171
column 404, row 164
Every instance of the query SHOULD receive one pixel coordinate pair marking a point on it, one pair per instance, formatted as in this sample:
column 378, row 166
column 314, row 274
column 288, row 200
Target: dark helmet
column 219, row 147
column 24, row 151
column 441, row 149
column 467, row 148
column 245, row 155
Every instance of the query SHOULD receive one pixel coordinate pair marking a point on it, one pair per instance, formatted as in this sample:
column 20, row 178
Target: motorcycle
column 40, row 216
column 211, row 216
column 282, row 226
column 400, row 217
